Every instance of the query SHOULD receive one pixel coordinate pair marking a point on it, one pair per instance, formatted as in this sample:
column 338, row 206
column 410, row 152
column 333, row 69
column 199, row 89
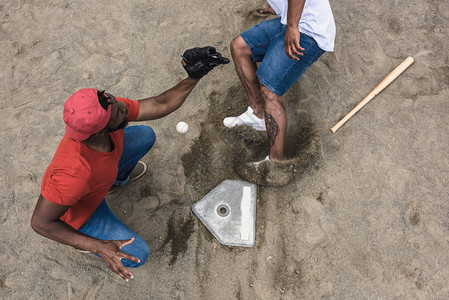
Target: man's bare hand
column 112, row 255
column 268, row 10
column 291, row 42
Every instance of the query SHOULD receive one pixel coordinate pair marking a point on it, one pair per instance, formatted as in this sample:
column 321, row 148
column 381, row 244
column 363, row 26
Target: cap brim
column 75, row 134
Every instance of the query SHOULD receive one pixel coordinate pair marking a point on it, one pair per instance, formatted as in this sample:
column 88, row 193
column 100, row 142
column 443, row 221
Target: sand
column 360, row 214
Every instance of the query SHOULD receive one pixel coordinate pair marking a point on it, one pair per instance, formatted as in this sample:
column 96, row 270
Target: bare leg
column 275, row 121
column 246, row 70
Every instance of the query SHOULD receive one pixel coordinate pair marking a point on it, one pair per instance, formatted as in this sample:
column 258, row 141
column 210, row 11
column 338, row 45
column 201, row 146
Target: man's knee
column 268, row 96
column 148, row 136
column 239, row 47
column 140, row 135
column 145, row 252
column 140, row 250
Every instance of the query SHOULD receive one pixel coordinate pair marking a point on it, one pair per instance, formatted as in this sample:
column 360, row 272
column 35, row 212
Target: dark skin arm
column 167, row 102
column 291, row 40
column 46, row 222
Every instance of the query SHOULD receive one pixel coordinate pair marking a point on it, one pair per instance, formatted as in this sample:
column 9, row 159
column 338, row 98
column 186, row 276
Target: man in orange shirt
column 96, row 155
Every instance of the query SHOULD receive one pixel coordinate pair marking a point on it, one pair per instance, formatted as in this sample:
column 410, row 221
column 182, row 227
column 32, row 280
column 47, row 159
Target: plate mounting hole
column 223, row 210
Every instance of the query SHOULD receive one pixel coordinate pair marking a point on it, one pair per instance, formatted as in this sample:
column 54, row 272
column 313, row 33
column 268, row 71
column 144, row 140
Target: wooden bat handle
column 390, row 77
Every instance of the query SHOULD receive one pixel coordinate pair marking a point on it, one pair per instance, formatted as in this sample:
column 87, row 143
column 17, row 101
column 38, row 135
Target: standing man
column 285, row 47
column 96, row 155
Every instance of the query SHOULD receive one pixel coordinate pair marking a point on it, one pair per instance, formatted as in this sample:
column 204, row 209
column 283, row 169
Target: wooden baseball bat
column 392, row 76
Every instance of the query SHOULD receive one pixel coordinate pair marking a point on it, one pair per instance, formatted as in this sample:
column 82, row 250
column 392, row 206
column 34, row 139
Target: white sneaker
column 248, row 118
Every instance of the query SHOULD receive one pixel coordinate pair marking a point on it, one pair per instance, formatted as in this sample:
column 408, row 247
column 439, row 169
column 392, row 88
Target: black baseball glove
column 199, row 61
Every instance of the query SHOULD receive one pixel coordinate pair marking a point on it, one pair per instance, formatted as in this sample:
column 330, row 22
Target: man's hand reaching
column 291, row 40
column 111, row 253
column 199, row 61
column 291, row 43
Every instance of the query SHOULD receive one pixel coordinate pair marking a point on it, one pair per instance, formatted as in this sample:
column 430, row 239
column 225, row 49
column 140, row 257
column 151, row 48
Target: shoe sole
column 255, row 128
column 82, row 251
column 145, row 168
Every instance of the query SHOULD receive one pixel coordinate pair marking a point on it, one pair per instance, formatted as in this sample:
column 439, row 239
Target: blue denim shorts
column 277, row 71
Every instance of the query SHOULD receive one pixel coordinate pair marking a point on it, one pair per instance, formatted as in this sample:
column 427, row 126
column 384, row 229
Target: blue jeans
column 277, row 71
column 103, row 225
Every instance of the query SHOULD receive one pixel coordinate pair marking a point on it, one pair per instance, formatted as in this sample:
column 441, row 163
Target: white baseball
column 182, row 127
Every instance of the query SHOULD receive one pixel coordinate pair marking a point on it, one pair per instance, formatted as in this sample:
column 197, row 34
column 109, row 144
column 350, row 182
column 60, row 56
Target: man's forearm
column 63, row 233
column 294, row 12
column 167, row 102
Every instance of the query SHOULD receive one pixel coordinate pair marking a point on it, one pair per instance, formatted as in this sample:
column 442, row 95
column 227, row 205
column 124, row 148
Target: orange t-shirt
column 80, row 177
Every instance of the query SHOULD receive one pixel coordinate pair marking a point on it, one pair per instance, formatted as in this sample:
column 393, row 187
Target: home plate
column 229, row 212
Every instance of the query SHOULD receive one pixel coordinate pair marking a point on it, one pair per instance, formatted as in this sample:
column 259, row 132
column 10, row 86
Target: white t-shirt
column 316, row 20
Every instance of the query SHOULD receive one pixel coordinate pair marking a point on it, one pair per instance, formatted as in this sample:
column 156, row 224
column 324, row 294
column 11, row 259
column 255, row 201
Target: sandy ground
column 361, row 214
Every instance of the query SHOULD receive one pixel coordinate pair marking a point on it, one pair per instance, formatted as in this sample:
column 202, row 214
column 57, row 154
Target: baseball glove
column 199, row 61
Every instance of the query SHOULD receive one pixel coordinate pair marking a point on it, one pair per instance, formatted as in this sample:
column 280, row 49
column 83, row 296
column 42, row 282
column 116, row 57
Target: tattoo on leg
column 272, row 128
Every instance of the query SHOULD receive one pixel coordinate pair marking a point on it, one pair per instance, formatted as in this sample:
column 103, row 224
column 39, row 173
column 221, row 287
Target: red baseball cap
column 84, row 115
